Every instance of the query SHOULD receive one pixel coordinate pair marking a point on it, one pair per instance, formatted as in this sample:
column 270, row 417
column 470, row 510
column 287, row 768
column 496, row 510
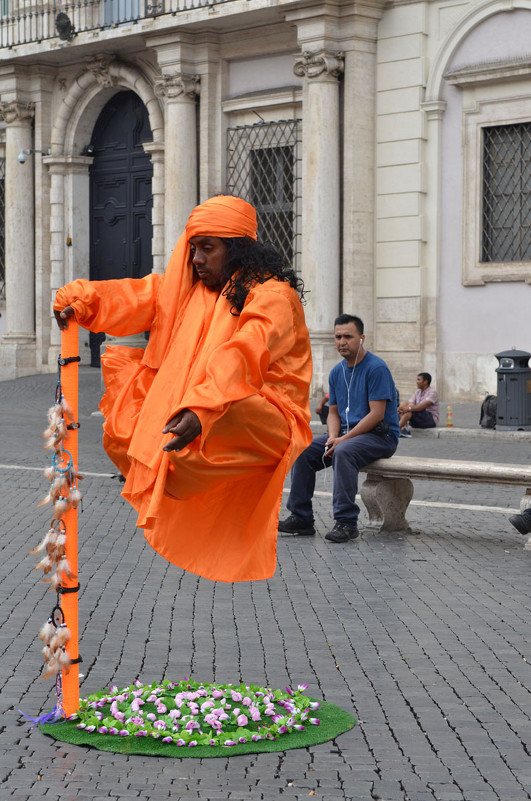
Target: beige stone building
column 385, row 143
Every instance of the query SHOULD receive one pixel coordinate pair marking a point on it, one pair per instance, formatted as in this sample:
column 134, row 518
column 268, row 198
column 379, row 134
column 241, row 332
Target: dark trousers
column 347, row 460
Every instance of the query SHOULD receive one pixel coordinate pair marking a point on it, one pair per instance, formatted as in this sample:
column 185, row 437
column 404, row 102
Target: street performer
column 206, row 422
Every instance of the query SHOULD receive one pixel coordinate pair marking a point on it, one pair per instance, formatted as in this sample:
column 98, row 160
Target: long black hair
column 249, row 263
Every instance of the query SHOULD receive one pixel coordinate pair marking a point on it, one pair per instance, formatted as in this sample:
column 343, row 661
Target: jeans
column 347, row 460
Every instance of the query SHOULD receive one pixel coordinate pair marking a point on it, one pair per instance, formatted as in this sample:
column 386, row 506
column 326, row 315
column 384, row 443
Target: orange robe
column 213, row 507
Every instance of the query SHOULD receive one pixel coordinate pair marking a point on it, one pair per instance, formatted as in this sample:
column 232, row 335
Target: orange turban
column 223, row 216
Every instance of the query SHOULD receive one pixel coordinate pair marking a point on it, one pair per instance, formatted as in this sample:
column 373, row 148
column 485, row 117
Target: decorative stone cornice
column 321, row 64
column 14, row 111
column 180, row 84
column 99, row 67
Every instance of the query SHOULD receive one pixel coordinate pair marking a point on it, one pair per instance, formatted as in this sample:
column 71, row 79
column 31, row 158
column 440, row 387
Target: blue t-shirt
column 370, row 381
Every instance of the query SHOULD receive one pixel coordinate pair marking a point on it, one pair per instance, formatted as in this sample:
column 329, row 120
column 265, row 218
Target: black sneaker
column 296, row 525
column 522, row 523
column 342, row 532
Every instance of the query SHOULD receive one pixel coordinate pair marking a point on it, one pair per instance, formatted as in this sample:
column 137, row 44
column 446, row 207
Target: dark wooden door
column 121, row 199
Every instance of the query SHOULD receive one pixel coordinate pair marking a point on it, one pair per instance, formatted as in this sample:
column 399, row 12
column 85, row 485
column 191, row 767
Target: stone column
column 156, row 151
column 17, row 349
column 321, row 200
column 180, row 93
column 432, row 355
column 57, row 246
column 69, row 243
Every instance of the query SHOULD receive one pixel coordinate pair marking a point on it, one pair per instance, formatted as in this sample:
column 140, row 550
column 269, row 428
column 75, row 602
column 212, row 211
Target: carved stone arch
column 87, row 96
column 72, row 129
column 475, row 15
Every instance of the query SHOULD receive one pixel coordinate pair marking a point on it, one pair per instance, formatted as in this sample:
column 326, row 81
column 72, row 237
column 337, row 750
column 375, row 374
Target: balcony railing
column 25, row 21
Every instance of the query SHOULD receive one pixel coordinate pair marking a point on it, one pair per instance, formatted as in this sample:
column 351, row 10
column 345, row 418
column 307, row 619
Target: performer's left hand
column 186, row 426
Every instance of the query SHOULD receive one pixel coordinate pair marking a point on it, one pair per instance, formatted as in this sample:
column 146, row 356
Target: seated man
column 522, row 522
column 422, row 409
column 362, row 426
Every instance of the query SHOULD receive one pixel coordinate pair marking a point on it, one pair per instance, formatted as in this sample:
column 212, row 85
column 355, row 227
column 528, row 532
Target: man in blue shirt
column 362, row 426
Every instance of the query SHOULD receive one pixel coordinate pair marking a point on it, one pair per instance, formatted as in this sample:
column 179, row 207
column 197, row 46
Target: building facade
column 386, row 146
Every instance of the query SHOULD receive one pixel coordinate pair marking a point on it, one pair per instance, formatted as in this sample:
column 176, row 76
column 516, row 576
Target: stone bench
column 388, row 488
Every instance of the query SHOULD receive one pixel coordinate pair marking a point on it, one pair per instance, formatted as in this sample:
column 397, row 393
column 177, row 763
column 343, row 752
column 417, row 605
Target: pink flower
column 302, row 687
column 314, row 704
column 206, row 705
column 151, row 716
column 161, row 709
column 191, row 725
column 241, row 720
column 236, row 696
column 113, row 730
column 213, row 721
column 315, row 721
column 137, row 703
column 123, row 733
column 230, row 742
column 159, row 724
column 103, row 730
column 217, row 694
column 167, row 740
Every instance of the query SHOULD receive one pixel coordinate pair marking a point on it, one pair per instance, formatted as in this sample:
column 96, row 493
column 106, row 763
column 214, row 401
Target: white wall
column 477, row 320
column 258, row 74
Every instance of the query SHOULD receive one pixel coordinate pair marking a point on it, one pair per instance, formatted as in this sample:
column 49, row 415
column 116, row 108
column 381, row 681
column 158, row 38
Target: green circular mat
column 334, row 721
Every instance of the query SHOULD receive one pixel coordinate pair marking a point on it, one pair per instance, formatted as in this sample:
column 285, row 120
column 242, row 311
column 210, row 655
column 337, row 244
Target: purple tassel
column 55, row 716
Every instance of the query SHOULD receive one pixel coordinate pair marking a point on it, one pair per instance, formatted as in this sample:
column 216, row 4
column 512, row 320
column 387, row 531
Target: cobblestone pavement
column 425, row 638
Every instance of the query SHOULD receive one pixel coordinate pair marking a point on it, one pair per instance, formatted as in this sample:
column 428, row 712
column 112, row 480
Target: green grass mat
column 334, row 721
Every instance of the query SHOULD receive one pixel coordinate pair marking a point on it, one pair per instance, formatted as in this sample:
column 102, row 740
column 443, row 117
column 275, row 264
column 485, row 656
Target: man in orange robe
column 207, row 421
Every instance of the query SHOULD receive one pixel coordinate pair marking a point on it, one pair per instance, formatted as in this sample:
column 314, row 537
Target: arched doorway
column 121, row 197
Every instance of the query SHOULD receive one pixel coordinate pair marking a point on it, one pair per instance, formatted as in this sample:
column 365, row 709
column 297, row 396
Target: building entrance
column 121, row 199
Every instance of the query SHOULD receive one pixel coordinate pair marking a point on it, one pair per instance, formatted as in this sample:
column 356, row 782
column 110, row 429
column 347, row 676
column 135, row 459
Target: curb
column 470, row 433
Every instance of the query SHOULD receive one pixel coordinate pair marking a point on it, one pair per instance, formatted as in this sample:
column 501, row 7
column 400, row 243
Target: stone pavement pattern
column 425, row 638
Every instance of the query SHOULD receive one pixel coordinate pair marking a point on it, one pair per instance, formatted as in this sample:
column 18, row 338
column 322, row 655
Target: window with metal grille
column 507, row 193
column 263, row 167
column 2, row 231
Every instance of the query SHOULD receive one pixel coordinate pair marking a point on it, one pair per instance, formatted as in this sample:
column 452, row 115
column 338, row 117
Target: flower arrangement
column 189, row 713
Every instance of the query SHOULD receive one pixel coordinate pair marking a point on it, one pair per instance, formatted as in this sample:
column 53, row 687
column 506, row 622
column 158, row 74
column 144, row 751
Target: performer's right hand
column 186, row 426
column 63, row 316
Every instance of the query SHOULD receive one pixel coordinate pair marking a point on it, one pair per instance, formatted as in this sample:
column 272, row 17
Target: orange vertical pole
column 69, row 601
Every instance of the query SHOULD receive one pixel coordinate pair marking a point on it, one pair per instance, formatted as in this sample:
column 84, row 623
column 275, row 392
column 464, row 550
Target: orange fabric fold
column 213, row 507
